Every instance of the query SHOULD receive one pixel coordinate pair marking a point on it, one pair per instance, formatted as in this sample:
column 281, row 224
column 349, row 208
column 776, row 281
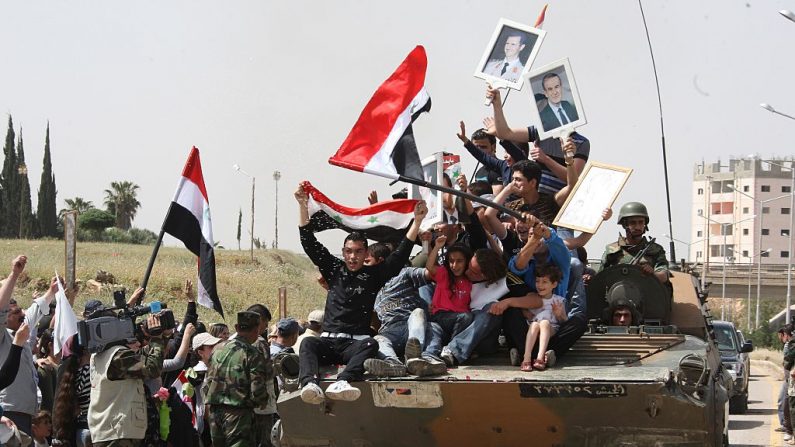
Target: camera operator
column 117, row 412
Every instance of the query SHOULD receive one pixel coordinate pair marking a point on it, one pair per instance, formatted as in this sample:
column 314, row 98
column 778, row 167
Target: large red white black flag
column 189, row 220
column 382, row 141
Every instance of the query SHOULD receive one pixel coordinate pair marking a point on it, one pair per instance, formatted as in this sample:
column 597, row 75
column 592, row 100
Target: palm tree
column 78, row 204
column 121, row 201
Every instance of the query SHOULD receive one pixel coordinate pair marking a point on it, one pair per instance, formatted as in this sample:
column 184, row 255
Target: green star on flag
column 337, row 218
column 372, row 219
column 456, row 173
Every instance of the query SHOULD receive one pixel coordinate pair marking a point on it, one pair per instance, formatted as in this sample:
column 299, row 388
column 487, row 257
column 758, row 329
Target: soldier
column 236, row 384
column 635, row 220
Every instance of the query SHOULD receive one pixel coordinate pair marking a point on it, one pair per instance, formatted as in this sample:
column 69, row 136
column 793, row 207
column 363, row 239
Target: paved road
column 756, row 427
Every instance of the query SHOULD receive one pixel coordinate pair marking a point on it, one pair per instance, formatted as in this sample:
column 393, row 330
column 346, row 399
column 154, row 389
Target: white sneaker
column 787, row 436
column 448, row 357
column 342, row 390
column 311, row 393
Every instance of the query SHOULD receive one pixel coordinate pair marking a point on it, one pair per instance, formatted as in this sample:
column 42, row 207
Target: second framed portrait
column 555, row 100
column 510, row 53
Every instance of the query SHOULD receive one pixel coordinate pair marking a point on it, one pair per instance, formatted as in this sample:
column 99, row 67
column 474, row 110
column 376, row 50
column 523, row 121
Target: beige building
column 737, row 203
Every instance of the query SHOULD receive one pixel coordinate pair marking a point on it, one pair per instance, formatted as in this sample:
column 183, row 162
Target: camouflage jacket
column 621, row 252
column 789, row 354
column 147, row 364
column 270, row 377
column 236, row 376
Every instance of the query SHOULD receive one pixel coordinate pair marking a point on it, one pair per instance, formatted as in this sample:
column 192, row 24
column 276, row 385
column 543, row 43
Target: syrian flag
column 382, row 141
column 189, row 220
column 383, row 221
column 185, row 392
column 540, row 20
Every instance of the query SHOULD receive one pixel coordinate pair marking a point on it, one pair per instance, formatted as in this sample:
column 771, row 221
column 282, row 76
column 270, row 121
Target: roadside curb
column 777, row 371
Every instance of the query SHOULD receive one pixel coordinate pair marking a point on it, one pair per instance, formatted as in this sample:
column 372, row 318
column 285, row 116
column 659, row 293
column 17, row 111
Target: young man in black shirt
column 352, row 287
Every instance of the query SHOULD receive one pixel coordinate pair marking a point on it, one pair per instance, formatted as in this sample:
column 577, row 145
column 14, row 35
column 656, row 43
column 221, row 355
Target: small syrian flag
column 189, row 220
column 382, row 141
column 185, row 392
column 383, row 221
column 540, row 20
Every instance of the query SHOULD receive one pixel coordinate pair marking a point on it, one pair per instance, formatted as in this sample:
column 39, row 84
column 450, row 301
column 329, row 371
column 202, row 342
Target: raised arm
column 486, row 159
column 520, row 262
column 504, row 132
column 400, row 257
column 571, row 172
column 7, row 289
column 492, row 215
column 430, row 263
column 583, row 238
column 317, row 253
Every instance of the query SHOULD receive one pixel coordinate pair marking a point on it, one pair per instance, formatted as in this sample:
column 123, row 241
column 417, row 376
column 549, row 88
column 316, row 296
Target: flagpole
column 458, row 193
column 152, row 258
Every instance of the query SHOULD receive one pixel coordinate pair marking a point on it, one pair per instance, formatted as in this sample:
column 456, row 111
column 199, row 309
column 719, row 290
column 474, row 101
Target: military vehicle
column 659, row 383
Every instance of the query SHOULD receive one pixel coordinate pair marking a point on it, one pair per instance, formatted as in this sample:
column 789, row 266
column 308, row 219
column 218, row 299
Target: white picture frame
column 432, row 171
column 597, row 188
column 550, row 124
column 492, row 68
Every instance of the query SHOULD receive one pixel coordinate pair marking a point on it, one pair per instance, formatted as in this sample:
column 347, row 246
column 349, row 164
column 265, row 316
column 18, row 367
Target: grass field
column 240, row 281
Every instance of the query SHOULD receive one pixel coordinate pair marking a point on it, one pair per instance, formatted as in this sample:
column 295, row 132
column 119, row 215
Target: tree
column 121, row 201
column 239, row 227
column 78, row 204
column 46, row 213
column 27, row 221
column 9, row 224
column 96, row 220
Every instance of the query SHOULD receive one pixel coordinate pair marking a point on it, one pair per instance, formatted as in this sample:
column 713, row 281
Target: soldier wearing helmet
column 634, row 217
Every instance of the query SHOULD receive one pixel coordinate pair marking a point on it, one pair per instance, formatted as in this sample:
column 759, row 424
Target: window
column 784, row 254
column 700, row 212
column 784, row 210
column 745, row 253
column 765, row 231
column 719, row 250
column 746, row 188
column 765, row 254
column 699, row 254
column 786, row 189
column 745, row 210
column 785, row 232
column 726, row 230
column 765, row 210
column 765, row 188
column 745, row 231
column 699, row 233
column 700, row 191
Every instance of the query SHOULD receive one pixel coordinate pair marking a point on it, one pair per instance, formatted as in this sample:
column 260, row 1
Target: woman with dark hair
column 46, row 367
column 219, row 330
column 70, row 415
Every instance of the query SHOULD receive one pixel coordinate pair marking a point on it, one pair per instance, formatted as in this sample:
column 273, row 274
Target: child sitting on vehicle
column 545, row 320
column 450, row 303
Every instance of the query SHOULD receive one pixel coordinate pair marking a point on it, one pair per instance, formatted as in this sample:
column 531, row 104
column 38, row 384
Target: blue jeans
column 782, row 403
column 392, row 338
column 483, row 323
column 576, row 302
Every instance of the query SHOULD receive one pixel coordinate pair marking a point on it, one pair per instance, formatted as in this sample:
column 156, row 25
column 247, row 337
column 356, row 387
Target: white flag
column 65, row 319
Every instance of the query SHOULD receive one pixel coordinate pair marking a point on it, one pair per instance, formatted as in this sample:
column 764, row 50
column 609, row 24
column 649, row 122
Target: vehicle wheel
column 739, row 404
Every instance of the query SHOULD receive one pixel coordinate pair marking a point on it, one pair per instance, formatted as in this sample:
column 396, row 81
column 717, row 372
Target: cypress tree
column 26, row 219
column 46, row 213
column 9, row 224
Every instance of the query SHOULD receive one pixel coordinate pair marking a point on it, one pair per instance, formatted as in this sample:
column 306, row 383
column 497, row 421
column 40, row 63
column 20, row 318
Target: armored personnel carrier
column 658, row 383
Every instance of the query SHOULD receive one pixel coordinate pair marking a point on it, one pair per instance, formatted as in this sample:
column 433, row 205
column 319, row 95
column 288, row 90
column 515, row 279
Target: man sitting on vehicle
column 349, row 305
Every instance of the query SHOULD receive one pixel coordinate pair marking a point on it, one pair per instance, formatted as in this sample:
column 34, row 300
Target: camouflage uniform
column 236, row 384
column 264, row 416
column 622, row 253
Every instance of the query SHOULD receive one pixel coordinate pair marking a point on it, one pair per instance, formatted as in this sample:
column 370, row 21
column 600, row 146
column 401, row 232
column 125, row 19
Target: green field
column 240, row 281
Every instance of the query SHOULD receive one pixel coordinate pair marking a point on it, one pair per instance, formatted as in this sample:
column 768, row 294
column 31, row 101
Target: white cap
column 204, row 339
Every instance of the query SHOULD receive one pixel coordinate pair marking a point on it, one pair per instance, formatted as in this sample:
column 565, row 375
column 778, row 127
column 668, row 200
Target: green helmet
column 632, row 209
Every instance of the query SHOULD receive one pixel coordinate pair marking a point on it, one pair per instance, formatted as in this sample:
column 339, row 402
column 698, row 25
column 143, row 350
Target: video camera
column 108, row 326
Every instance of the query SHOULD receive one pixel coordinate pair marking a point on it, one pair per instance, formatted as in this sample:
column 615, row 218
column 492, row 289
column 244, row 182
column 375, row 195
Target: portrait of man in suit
column 557, row 112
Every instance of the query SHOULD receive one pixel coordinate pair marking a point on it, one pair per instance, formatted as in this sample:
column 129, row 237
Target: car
column 734, row 351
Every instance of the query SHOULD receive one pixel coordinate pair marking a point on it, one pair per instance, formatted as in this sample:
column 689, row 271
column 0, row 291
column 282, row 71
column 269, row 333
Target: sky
column 129, row 87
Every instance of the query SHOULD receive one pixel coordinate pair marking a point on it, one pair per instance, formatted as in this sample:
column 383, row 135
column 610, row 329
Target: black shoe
column 423, row 366
column 383, row 368
column 413, row 348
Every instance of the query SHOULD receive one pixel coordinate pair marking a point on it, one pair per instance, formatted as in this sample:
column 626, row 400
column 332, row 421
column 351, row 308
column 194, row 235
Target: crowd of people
column 392, row 309
column 197, row 384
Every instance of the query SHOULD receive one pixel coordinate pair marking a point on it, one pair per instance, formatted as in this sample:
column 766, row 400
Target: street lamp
column 236, row 167
column 23, row 171
column 788, row 14
column 688, row 244
column 750, row 272
column 723, row 280
column 770, row 108
column 276, row 177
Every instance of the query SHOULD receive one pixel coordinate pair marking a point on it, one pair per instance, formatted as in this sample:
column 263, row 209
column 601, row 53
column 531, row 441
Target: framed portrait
column 432, row 171
column 555, row 100
column 597, row 189
column 510, row 54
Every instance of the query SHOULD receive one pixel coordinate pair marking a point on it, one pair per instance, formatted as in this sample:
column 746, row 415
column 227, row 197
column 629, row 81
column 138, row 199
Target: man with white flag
column 65, row 319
